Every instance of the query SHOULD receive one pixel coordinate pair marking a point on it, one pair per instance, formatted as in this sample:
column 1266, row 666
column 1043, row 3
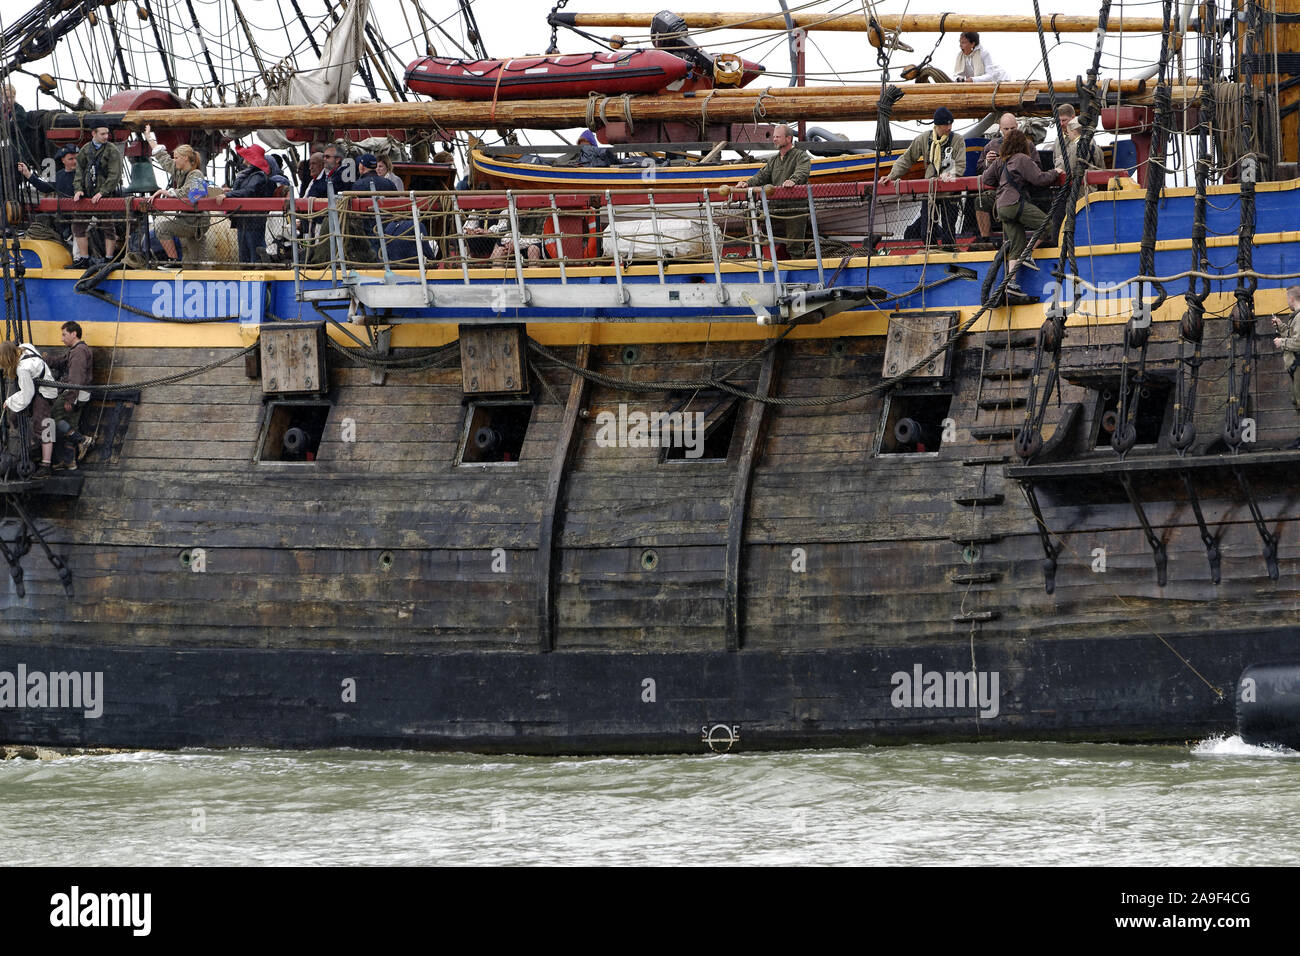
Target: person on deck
column 253, row 182
column 789, row 166
column 591, row 153
column 1065, row 112
column 360, row 240
column 63, row 185
column 367, row 177
column 185, row 182
column 944, row 154
column 331, row 174
column 64, row 178
column 315, row 165
column 984, row 200
column 99, row 172
column 975, row 63
column 76, row 368
column 1013, row 171
column 24, row 364
column 1074, row 130
column 1288, row 340
column 384, row 170
column 14, row 118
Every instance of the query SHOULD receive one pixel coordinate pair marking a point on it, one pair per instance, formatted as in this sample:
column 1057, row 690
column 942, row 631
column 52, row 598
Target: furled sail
column 330, row 80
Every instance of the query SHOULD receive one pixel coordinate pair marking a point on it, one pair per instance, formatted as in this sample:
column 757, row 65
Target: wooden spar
column 738, row 106
column 1129, row 87
column 855, row 23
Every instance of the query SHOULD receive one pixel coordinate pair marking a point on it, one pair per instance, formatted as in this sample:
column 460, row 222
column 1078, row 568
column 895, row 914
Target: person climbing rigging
column 1013, row 171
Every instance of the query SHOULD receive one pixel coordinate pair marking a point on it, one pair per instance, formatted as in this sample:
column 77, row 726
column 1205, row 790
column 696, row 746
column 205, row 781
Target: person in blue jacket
column 368, row 178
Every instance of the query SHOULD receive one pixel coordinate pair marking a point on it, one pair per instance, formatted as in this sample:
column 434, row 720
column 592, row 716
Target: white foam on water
column 1234, row 746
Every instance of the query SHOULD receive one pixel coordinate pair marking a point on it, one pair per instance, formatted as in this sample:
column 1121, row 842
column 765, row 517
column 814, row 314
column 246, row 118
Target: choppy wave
column 1000, row 804
column 1234, row 746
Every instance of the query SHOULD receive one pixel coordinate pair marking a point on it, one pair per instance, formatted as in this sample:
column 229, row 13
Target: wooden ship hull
column 418, row 501
column 811, row 585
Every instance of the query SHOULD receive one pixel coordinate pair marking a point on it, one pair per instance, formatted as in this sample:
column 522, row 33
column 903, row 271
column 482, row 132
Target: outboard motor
column 670, row 34
column 1268, row 705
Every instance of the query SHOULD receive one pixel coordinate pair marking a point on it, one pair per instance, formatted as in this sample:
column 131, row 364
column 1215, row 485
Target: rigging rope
column 1137, row 333
column 1192, row 327
column 1051, row 336
column 1243, row 311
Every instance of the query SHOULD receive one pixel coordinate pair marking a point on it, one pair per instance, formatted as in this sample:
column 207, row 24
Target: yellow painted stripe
column 852, row 323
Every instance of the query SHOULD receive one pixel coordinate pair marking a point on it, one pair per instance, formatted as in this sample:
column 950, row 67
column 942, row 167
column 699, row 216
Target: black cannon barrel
column 908, row 431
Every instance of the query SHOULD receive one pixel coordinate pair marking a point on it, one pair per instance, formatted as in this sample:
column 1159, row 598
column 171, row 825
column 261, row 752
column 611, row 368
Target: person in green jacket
column 790, row 166
column 184, row 181
column 1288, row 340
column 99, row 172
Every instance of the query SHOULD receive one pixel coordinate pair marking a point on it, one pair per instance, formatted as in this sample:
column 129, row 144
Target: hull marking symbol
column 720, row 737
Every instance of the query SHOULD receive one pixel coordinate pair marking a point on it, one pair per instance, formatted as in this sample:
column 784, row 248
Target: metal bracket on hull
column 1211, row 543
column 1157, row 546
column 1050, row 550
column 1078, row 481
column 14, row 552
column 1270, row 541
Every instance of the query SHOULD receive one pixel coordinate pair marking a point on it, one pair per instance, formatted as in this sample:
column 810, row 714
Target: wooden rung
column 981, row 577
column 1008, row 401
column 993, row 432
column 974, row 500
column 1015, row 373
column 997, row 344
column 976, row 538
column 976, row 616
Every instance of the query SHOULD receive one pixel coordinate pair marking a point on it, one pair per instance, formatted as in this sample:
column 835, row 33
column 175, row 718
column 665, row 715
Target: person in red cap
column 253, row 182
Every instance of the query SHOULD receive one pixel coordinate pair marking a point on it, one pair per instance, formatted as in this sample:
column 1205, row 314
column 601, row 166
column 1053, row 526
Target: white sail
column 329, row 81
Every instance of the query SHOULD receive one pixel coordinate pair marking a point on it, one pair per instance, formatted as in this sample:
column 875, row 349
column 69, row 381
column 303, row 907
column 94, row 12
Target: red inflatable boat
column 577, row 74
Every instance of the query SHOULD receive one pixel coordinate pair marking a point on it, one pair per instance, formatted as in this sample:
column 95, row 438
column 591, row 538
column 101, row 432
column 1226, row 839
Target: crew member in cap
column 65, row 161
column 253, row 182
column 364, row 245
column 975, row 63
column 368, row 179
column 944, row 154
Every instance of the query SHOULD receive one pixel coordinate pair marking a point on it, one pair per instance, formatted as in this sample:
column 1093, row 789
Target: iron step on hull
column 1121, row 689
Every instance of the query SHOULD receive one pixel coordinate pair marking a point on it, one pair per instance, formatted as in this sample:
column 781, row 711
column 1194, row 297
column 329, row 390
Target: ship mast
column 855, row 23
column 821, row 103
column 1279, row 69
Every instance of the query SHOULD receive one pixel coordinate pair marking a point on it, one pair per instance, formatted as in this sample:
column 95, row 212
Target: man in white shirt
column 975, row 63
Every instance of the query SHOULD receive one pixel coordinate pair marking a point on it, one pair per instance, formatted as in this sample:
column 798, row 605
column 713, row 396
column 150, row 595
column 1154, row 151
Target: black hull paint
column 1118, row 689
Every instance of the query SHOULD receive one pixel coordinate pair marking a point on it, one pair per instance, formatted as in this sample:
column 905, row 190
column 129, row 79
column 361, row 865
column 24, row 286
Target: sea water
column 1216, row 802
